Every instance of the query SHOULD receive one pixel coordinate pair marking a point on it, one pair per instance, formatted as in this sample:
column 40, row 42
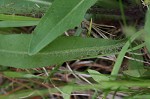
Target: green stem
column 122, row 12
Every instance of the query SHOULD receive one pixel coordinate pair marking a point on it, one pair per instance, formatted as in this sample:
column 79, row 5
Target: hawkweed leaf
column 14, row 50
column 24, row 6
column 61, row 16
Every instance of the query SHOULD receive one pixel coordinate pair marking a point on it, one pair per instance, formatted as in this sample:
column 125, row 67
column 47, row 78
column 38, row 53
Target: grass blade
column 4, row 24
column 122, row 53
column 17, row 21
column 147, row 30
column 17, row 18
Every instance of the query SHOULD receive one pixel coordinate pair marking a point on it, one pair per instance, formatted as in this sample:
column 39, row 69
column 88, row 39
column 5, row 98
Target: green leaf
column 17, row 21
column 4, row 24
column 136, row 72
column 109, row 4
column 134, row 64
column 20, row 75
column 24, row 6
column 122, row 53
column 98, row 77
column 113, row 85
column 144, row 96
column 61, row 16
column 147, row 30
column 14, row 50
column 17, row 18
column 66, row 92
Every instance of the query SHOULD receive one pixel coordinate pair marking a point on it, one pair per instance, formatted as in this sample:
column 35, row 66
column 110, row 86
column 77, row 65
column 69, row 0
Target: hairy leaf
column 61, row 16
column 24, row 6
column 14, row 50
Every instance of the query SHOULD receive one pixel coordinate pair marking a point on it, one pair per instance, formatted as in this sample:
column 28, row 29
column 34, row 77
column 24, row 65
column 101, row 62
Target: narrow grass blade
column 61, row 16
column 122, row 53
column 147, row 30
column 17, row 21
column 16, row 18
column 20, row 75
column 4, row 24
column 122, row 13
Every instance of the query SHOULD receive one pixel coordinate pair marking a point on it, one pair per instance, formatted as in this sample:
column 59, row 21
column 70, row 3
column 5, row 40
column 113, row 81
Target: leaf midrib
column 86, row 49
